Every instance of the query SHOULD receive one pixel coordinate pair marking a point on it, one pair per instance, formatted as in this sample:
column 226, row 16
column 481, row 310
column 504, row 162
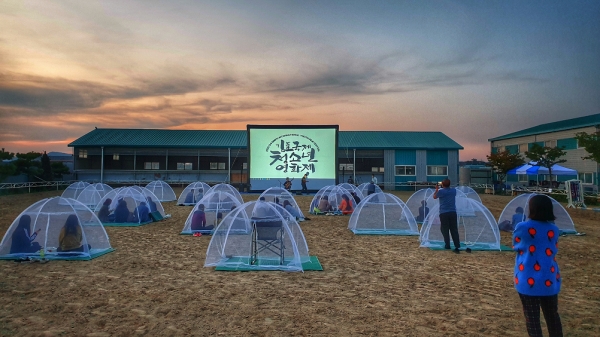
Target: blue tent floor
column 464, row 246
column 125, row 224
column 208, row 232
column 400, row 232
column 313, row 264
column 65, row 256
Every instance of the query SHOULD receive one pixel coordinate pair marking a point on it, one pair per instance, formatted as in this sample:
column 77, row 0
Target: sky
column 473, row 70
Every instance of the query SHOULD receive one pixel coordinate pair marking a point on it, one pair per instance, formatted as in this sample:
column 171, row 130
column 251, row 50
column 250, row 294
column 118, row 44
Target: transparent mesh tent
column 460, row 196
column 364, row 188
column 92, row 194
column 563, row 219
column 161, row 190
column 214, row 206
column 279, row 196
column 73, row 190
column 417, row 204
column 192, row 193
column 64, row 229
column 328, row 199
column 383, row 214
column 229, row 189
column 477, row 228
column 274, row 240
column 128, row 206
column 352, row 188
column 469, row 192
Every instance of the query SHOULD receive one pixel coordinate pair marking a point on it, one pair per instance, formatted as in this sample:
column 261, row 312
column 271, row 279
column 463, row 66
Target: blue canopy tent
column 532, row 169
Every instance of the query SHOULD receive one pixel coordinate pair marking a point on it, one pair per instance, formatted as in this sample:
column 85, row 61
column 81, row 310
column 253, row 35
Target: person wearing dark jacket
column 22, row 238
column 121, row 212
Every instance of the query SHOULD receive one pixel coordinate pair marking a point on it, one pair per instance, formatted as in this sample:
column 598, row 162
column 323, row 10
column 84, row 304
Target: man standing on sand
column 304, row 181
column 448, row 219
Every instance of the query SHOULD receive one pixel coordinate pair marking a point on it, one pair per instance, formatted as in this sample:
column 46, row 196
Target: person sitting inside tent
column 22, row 238
column 199, row 220
column 189, row 198
column 356, row 198
column 104, row 213
column 121, row 212
column 324, row 205
column 509, row 226
column 141, row 214
column 346, row 205
column 423, row 211
column 70, row 237
column 151, row 205
column 371, row 188
column 294, row 212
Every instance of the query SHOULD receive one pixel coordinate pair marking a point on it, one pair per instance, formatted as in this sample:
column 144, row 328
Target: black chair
column 267, row 235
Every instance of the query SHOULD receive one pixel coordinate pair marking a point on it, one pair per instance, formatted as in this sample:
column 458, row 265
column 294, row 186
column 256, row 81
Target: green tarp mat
column 65, row 256
column 124, row 224
column 400, row 232
column 313, row 264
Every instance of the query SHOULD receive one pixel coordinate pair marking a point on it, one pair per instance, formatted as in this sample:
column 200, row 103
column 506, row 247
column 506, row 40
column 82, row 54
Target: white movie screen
column 280, row 152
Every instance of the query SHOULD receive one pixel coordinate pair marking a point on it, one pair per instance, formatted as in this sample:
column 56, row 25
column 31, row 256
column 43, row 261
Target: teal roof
column 567, row 124
column 238, row 139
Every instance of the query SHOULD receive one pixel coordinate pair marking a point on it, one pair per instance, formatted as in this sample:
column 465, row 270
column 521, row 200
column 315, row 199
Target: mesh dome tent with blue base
column 334, row 195
column 416, row 201
column 364, row 188
column 469, row 192
column 192, row 193
column 383, row 214
column 92, row 194
column 563, row 220
column 47, row 218
column 477, row 228
column 275, row 241
column 123, row 207
column 229, row 189
column 73, row 190
column 216, row 207
column 353, row 188
column 161, row 190
column 280, row 196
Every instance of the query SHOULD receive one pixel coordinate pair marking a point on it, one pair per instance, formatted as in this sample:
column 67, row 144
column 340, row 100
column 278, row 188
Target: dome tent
column 352, row 188
column 128, row 206
column 364, row 189
column 563, row 219
column 383, row 214
column 243, row 251
column 461, row 204
column 477, row 228
column 469, row 192
column 229, row 189
column 279, row 196
column 216, row 206
column 73, row 190
column 161, row 190
column 417, row 200
column 47, row 218
column 333, row 194
column 92, row 194
column 192, row 193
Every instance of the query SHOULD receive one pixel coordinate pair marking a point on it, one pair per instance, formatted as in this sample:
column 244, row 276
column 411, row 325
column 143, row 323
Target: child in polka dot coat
column 537, row 277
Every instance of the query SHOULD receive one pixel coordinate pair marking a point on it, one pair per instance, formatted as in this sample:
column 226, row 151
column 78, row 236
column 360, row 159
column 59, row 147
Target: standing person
column 374, row 179
column 448, row 219
column 304, row 181
column 537, row 277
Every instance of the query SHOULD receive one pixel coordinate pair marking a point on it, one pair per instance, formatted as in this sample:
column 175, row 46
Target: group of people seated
column 345, row 206
column 121, row 213
column 69, row 239
column 193, row 197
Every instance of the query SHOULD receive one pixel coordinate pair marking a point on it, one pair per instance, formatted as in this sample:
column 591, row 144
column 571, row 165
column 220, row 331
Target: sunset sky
column 470, row 69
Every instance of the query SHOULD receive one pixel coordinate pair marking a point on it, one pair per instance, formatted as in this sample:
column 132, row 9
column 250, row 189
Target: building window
column 523, row 148
column 523, row 178
column 374, row 169
column 116, row 156
column 245, row 166
column 213, row 166
column 405, row 170
column 221, row 166
column 184, row 166
column 550, row 143
column 381, row 169
column 437, row 170
column 151, row 165
column 586, row 178
column 82, row 153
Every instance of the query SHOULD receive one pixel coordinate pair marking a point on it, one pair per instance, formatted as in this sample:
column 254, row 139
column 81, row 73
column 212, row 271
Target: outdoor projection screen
column 280, row 151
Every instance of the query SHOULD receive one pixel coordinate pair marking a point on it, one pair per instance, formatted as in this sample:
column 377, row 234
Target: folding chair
column 267, row 236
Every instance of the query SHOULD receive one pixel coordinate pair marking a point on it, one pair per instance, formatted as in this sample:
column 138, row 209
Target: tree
column 6, row 155
column 591, row 143
column 47, row 169
column 502, row 162
column 7, row 170
column 546, row 156
column 59, row 169
column 27, row 165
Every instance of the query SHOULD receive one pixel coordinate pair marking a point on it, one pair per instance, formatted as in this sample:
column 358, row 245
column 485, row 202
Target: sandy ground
column 154, row 284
